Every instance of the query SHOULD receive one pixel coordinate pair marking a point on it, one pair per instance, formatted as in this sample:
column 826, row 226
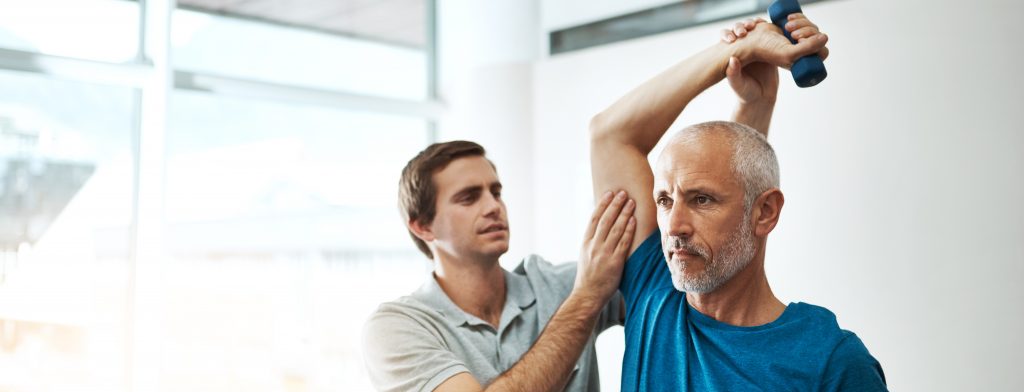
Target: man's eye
column 663, row 201
column 702, row 200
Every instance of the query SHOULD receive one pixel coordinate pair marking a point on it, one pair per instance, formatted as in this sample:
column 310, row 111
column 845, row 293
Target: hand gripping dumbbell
column 808, row 70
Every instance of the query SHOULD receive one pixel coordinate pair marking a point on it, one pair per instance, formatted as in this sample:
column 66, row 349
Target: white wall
column 902, row 174
column 486, row 52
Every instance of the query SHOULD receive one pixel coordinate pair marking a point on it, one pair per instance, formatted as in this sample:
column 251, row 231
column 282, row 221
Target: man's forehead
column 692, row 164
column 694, row 160
column 464, row 172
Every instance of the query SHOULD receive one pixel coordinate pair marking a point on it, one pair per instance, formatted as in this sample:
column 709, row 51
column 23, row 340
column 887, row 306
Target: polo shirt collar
column 519, row 295
column 519, row 290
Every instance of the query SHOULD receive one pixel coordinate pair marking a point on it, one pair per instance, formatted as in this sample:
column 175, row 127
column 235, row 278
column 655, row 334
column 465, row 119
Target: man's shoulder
column 843, row 356
column 401, row 322
column 815, row 315
column 815, row 327
column 403, row 304
column 546, row 276
column 404, row 312
column 844, row 345
column 820, row 316
column 850, row 348
column 820, row 324
column 408, row 345
column 851, row 367
column 537, row 265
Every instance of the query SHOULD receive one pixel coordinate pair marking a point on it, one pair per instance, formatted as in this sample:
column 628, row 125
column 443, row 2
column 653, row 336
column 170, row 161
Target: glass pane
column 104, row 30
column 277, row 215
column 66, row 202
column 308, row 57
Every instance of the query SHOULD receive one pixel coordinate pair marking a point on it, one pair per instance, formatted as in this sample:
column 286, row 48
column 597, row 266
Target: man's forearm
column 641, row 117
column 755, row 115
column 548, row 364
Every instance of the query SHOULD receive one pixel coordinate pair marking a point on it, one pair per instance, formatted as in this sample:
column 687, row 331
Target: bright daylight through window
column 281, row 128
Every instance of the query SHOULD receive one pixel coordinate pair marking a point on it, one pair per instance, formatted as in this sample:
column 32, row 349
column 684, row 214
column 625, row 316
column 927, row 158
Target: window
column 104, row 30
column 66, row 197
column 255, row 50
column 280, row 145
column 276, row 216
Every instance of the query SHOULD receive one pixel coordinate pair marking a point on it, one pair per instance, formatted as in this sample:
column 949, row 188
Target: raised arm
column 757, row 84
column 624, row 134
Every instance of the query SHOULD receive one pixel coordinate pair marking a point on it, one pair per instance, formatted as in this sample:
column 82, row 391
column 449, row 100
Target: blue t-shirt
column 672, row 347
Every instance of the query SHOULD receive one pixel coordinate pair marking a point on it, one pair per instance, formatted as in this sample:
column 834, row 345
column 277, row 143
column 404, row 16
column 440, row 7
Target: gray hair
column 753, row 159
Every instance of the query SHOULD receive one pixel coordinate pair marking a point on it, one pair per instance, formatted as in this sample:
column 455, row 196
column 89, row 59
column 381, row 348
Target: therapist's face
column 471, row 220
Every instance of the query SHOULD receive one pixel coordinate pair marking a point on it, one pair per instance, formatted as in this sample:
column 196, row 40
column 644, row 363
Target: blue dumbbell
column 808, row 70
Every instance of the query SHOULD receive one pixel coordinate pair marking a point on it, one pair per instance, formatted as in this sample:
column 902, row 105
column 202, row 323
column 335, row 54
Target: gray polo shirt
column 418, row 341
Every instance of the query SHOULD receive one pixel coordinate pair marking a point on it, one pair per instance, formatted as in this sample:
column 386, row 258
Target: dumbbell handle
column 808, row 70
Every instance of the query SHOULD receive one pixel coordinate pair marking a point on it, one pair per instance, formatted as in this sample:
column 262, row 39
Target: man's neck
column 746, row 300
column 476, row 287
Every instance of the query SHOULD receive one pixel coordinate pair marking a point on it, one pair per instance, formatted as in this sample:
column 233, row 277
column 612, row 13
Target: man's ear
column 766, row 211
column 421, row 230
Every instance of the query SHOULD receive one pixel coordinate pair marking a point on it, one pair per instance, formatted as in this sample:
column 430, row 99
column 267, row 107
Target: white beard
column 736, row 255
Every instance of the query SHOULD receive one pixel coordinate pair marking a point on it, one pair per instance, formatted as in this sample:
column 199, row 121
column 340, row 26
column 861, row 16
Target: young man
column 700, row 312
column 473, row 323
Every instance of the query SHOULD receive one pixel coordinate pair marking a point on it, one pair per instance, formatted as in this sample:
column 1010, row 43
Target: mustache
column 677, row 244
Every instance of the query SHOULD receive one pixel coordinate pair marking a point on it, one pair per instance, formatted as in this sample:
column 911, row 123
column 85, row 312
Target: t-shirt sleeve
column 852, row 368
column 402, row 354
column 645, row 269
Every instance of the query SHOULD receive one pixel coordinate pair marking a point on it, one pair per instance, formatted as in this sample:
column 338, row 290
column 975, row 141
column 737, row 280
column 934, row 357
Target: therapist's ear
column 420, row 230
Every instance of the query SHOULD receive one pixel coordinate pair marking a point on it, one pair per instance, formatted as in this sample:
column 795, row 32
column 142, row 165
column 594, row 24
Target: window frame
column 153, row 77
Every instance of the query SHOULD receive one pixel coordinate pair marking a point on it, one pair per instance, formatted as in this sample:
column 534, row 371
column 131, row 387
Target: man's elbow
column 607, row 131
column 600, row 129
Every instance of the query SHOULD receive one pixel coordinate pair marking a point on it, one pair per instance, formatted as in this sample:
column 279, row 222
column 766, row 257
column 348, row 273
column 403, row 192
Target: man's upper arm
column 401, row 354
column 462, row 382
column 620, row 166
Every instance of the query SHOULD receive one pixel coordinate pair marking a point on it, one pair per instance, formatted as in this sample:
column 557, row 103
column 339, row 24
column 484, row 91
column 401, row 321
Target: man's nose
column 492, row 206
column 680, row 222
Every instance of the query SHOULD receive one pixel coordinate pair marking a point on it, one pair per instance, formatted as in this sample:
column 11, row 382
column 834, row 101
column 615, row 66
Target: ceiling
column 401, row 22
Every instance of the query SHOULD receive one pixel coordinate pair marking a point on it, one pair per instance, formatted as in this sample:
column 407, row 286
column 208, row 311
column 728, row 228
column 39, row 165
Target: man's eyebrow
column 700, row 189
column 496, row 185
column 469, row 190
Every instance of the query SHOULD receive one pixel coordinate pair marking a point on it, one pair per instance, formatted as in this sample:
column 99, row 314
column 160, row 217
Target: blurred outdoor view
column 279, row 226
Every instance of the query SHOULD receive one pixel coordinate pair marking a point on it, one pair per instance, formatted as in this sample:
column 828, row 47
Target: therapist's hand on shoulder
column 605, row 247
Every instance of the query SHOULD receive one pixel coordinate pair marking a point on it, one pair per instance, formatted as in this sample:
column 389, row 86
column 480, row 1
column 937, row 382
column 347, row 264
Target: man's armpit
column 616, row 167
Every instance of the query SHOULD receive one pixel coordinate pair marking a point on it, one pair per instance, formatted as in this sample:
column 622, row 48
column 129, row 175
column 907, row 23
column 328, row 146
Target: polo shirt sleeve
column 612, row 314
column 402, row 354
column 852, row 368
column 645, row 269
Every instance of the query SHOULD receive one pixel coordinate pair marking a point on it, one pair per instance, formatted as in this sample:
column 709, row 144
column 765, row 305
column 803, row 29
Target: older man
column 701, row 314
